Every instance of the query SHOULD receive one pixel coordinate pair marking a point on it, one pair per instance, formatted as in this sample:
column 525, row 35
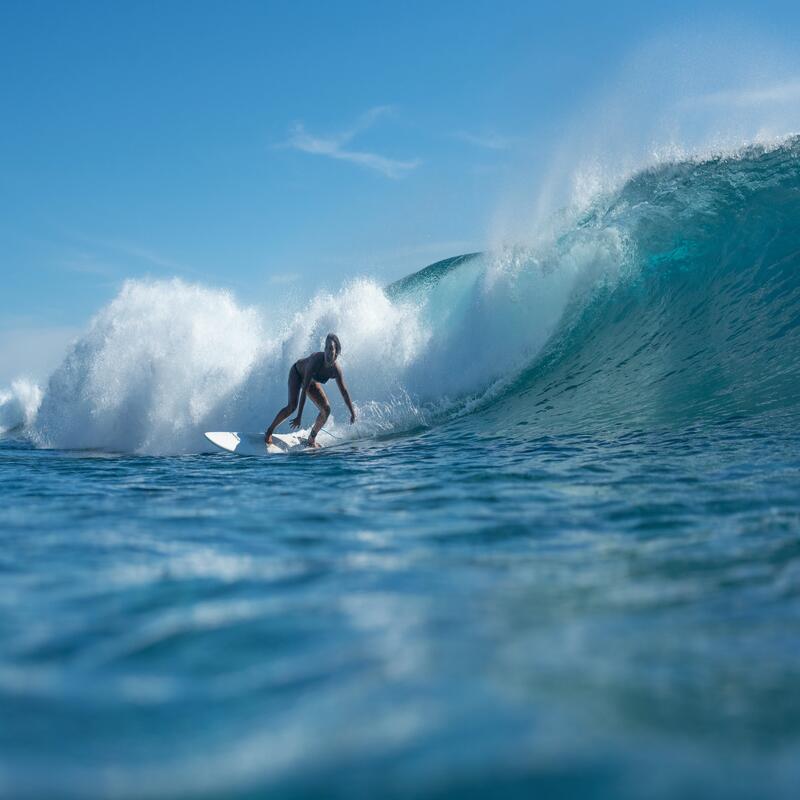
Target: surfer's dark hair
column 335, row 339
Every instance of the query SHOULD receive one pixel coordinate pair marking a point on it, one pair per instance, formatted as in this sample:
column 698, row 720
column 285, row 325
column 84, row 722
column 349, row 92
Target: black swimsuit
column 313, row 378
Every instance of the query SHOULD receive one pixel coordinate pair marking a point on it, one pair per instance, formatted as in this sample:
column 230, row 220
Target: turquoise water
column 568, row 567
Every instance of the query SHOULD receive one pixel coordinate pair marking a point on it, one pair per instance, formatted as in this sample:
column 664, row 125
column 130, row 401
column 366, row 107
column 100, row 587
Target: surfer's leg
column 320, row 400
column 294, row 392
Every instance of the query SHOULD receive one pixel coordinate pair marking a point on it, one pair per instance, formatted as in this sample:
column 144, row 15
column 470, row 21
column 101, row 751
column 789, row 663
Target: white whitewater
column 166, row 360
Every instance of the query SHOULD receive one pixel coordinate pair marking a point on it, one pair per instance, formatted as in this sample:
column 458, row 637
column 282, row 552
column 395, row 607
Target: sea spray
column 19, row 405
column 167, row 360
column 151, row 366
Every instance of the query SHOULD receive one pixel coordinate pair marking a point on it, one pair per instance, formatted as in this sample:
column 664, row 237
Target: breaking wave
column 675, row 296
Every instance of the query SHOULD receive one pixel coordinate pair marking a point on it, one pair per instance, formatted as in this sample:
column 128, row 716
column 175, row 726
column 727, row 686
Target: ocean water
column 558, row 554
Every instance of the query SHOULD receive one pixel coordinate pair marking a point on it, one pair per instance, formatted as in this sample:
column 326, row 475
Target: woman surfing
column 305, row 378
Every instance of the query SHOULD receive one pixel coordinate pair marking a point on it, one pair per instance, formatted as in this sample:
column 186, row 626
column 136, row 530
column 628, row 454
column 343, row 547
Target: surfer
column 306, row 377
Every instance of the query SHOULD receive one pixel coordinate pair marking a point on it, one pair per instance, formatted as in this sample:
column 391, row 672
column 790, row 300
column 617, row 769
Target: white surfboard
column 252, row 444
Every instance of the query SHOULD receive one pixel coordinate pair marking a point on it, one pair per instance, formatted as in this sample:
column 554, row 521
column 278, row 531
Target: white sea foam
column 151, row 367
column 166, row 360
column 18, row 405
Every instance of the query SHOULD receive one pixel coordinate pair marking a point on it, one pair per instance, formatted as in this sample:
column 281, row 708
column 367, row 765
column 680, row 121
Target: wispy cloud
column 336, row 146
column 150, row 257
column 88, row 264
column 108, row 260
column 788, row 92
column 139, row 253
column 488, row 141
column 284, row 278
column 102, row 257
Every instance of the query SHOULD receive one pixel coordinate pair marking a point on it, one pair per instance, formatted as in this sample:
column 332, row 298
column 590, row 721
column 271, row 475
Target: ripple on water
column 569, row 612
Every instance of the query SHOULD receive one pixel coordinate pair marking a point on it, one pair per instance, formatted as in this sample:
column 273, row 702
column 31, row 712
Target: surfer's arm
column 345, row 395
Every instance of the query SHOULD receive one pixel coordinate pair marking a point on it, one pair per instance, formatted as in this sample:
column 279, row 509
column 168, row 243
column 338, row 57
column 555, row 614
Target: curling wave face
column 705, row 320
column 673, row 297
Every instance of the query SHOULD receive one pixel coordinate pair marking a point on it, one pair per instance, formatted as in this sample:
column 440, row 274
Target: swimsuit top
column 320, row 375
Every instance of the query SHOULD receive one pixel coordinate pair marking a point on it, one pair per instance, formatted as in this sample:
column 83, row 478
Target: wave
column 167, row 360
column 675, row 296
column 704, row 322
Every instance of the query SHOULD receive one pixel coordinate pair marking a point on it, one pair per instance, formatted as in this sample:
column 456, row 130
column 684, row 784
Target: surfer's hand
column 352, row 417
column 296, row 423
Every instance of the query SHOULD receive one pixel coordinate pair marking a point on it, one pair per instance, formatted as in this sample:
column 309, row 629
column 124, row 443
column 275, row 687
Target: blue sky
column 273, row 147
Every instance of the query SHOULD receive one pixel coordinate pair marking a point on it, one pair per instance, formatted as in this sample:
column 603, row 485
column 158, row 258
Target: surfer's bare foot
column 268, row 439
column 312, row 442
